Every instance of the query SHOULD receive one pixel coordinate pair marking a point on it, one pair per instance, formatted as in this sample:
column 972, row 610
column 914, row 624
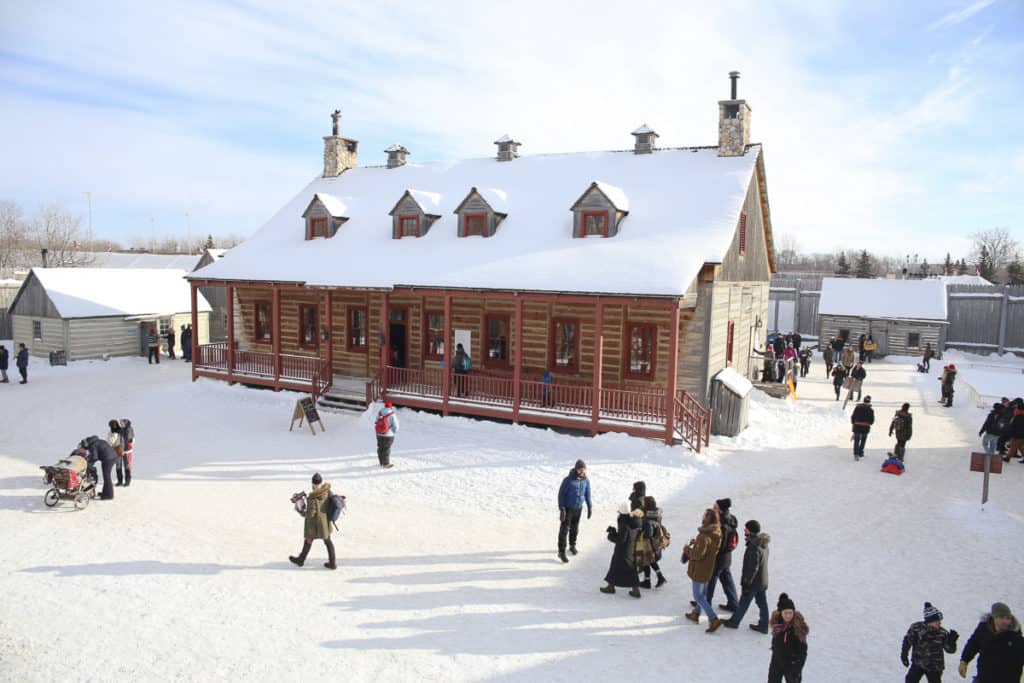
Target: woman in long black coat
column 622, row 571
column 100, row 450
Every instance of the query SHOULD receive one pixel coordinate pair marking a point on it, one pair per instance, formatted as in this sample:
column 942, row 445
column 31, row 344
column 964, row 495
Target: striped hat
column 931, row 613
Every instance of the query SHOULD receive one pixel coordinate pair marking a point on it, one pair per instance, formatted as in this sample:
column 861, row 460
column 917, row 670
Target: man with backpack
column 313, row 508
column 902, row 426
column 572, row 494
column 754, row 579
column 462, row 364
column 386, row 426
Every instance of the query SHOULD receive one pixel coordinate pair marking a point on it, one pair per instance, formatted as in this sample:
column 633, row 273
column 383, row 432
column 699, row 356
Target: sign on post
column 989, row 463
column 305, row 408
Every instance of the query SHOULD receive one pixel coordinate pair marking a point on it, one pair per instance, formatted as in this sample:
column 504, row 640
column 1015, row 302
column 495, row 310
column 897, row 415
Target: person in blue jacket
column 574, row 491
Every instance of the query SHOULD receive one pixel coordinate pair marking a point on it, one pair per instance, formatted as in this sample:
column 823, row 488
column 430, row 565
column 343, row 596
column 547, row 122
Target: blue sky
column 895, row 127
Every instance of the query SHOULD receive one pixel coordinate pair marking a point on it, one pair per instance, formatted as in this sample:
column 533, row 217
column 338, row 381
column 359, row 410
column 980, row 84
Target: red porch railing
column 311, row 371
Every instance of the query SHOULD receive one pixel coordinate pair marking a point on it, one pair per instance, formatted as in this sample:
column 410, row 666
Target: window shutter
column 743, row 233
column 728, row 343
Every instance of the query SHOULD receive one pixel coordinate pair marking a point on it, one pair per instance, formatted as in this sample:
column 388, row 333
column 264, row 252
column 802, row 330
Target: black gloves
column 588, row 513
column 561, row 515
column 953, row 635
column 904, row 659
column 611, row 530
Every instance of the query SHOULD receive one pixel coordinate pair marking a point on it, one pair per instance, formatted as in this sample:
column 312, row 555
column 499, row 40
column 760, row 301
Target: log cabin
column 598, row 291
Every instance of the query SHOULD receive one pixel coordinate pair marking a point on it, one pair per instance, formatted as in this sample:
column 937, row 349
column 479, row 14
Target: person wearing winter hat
column 621, row 569
column 702, row 551
column 999, row 646
column 902, row 426
column 992, row 429
column 754, row 579
column 723, row 563
column 947, row 380
column 923, row 646
column 789, row 642
column 861, row 419
column 572, row 494
column 313, row 507
column 636, row 498
column 386, row 426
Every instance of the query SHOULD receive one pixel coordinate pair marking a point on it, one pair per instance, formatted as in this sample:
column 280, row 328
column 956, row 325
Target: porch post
column 595, row 416
column 446, row 374
column 329, row 319
column 517, row 373
column 385, row 349
column 231, row 333
column 275, row 333
column 195, row 330
column 673, row 369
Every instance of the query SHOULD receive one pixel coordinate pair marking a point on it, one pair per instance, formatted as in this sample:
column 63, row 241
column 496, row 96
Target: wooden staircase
column 347, row 394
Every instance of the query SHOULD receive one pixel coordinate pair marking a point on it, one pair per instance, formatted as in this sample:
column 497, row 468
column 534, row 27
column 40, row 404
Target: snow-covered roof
column 10, row 282
column 739, row 384
column 643, row 130
column 95, row 292
column 495, row 198
column 108, row 259
column 684, row 207
column 430, row 202
column 503, row 139
column 614, row 194
column 890, row 299
column 396, row 148
column 216, row 253
column 334, row 206
column 963, row 280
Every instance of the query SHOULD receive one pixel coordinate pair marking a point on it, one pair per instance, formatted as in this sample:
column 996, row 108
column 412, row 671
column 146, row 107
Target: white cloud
column 960, row 15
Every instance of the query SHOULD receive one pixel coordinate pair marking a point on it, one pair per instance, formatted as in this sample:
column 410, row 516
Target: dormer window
column 414, row 213
column 599, row 211
column 481, row 212
column 324, row 215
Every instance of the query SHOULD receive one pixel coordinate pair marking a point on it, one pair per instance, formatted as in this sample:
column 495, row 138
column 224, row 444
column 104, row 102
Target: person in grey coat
column 754, row 580
column 4, row 356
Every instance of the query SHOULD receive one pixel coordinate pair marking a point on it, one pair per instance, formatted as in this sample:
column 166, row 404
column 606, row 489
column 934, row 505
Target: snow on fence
column 985, row 317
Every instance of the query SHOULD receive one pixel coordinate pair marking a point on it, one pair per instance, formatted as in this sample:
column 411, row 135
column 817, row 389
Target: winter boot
column 128, row 478
column 646, row 583
column 330, row 564
column 572, row 549
column 562, row 557
column 634, row 592
column 301, row 559
column 755, row 627
column 727, row 608
column 693, row 616
column 661, row 580
column 609, row 589
column 713, row 625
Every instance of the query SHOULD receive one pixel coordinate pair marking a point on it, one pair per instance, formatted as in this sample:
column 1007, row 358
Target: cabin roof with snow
column 684, row 208
column 102, row 292
column 883, row 299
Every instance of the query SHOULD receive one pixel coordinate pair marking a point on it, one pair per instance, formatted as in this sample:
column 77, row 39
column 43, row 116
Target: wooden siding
column 409, row 207
column 53, row 335
column 891, row 335
column 317, row 210
column 594, row 200
column 32, row 300
column 474, row 203
column 754, row 265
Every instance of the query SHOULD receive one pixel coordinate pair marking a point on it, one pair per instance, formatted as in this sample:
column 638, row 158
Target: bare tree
column 54, row 229
column 788, row 250
column 995, row 247
column 12, row 238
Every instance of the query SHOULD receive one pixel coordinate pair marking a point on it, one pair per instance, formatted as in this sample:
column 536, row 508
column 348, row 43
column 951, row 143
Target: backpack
column 634, row 548
column 335, row 506
column 732, row 541
column 661, row 538
column 382, row 425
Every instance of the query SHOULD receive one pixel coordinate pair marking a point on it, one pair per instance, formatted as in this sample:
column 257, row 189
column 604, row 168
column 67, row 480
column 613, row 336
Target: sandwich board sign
column 305, row 408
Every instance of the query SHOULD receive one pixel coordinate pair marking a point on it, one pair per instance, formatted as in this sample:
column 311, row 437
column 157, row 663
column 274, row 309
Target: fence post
column 1003, row 314
column 796, row 306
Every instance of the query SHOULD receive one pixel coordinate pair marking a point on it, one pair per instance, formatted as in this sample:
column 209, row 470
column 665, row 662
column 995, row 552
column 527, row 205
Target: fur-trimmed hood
column 991, row 626
column 799, row 625
column 320, row 491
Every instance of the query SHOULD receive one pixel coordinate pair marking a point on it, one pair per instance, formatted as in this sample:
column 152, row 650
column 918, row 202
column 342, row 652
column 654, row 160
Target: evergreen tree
column 986, row 268
column 865, row 268
column 209, row 241
column 925, row 268
column 947, row 266
column 1015, row 271
column 842, row 265
column 961, row 267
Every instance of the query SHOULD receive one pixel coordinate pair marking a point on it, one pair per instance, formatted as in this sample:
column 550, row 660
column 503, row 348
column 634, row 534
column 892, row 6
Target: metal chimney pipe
column 734, row 76
column 44, row 253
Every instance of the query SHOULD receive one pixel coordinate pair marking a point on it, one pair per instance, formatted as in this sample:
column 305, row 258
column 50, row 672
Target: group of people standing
column 1003, row 429
column 784, row 359
column 153, row 343
column 113, row 453
column 21, row 361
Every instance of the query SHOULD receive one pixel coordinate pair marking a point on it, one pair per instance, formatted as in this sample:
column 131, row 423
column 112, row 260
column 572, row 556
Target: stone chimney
column 396, row 155
column 645, row 138
column 339, row 152
column 508, row 149
column 733, row 123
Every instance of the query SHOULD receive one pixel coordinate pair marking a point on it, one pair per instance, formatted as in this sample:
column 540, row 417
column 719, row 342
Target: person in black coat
column 170, row 342
column 998, row 643
column 723, row 563
column 22, row 363
column 838, row 377
column 102, row 451
column 622, row 570
column 789, row 643
column 636, row 498
column 186, row 343
column 862, row 418
column 3, row 364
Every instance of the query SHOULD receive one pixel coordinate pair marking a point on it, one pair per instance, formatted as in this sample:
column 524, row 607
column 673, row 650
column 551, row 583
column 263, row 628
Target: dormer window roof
column 414, row 213
column 324, row 215
column 481, row 212
column 599, row 210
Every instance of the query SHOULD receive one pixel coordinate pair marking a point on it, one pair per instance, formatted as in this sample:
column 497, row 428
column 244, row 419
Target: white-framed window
column 37, row 330
column 165, row 326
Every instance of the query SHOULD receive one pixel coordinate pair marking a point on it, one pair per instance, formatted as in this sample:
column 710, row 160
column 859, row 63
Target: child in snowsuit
column 924, row 643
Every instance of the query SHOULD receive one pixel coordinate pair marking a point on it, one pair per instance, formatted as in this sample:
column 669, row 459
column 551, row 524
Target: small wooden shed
column 730, row 403
column 902, row 316
column 96, row 312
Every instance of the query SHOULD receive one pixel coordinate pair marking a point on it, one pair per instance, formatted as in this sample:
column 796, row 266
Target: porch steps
column 345, row 396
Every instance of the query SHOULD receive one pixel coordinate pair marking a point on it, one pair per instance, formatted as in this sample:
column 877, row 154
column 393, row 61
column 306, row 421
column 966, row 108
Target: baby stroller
column 71, row 478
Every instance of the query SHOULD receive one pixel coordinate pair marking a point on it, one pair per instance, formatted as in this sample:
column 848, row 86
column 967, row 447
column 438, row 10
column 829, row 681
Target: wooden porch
column 282, row 371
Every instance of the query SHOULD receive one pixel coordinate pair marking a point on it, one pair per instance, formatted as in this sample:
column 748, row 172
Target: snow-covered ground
column 447, row 562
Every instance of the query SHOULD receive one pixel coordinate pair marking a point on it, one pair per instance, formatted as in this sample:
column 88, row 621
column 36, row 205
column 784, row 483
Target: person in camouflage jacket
column 902, row 426
column 924, row 643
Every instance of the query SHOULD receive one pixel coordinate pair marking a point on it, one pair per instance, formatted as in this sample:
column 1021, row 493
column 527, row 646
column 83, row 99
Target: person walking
column 848, row 357
column 186, row 343
column 572, row 494
column 4, row 356
column 789, row 642
column 650, row 530
column 857, row 377
column 992, row 429
column 902, row 426
column 153, row 344
column 829, row 356
column 22, row 362
column 999, row 646
column 837, row 347
column 386, row 426
column 805, row 361
column 1015, row 431
column 314, row 510
column 700, row 555
column 870, row 346
column 170, row 342
column 947, row 380
column 636, row 497
column 923, row 645
column 861, row 352
column 622, row 568
column 723, row 563
column 99, row 450
column 926, row 357
column 754, row 579
column 1004, row 423
column 862, row 418
column 838, row 379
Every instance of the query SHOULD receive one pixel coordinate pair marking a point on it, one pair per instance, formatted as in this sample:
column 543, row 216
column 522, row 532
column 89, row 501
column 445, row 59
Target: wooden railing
column 295, row 369
column 559, row 398
column 692, row 421
column 633, row 406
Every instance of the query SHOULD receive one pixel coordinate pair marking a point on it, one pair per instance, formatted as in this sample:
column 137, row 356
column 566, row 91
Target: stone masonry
column 733, row 128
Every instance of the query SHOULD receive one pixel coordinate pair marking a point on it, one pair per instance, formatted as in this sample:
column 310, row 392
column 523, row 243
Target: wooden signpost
column 989, row 463
column 305, row 408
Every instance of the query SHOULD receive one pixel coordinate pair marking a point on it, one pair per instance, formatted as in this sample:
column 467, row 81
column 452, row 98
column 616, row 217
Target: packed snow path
column 447, row 562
